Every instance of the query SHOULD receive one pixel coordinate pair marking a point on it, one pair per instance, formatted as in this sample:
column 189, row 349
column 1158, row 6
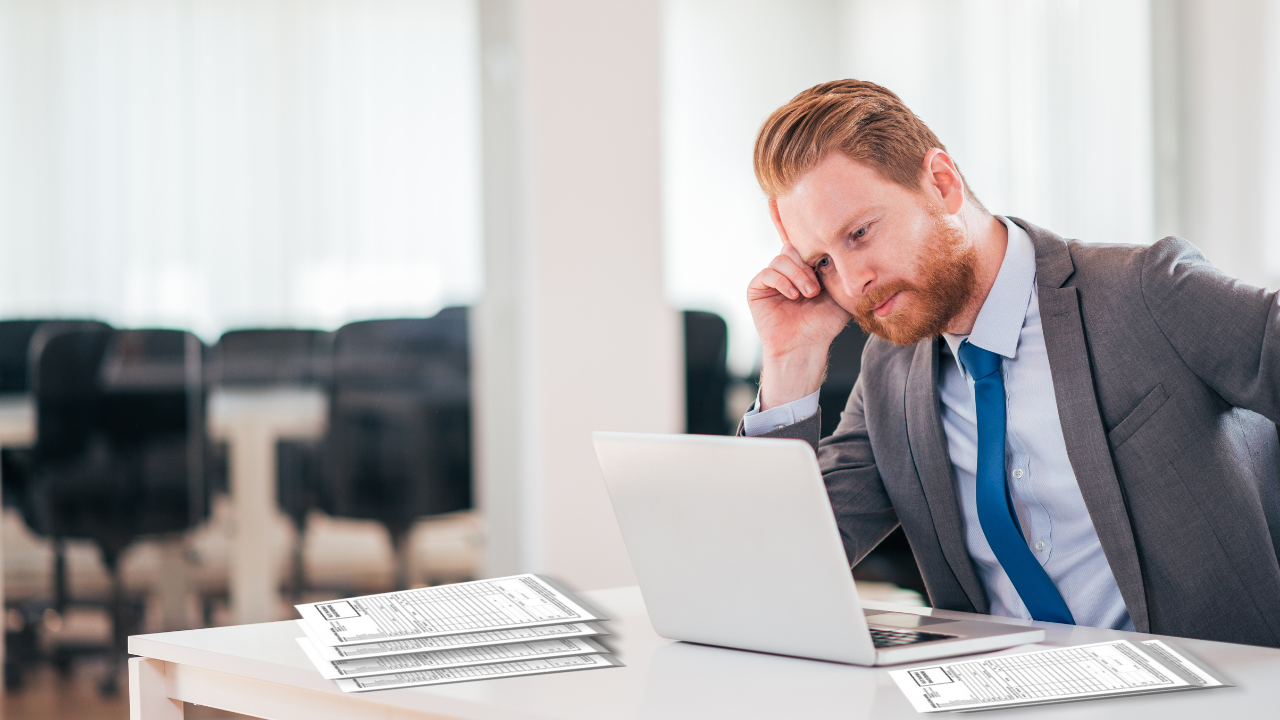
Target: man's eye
column 824, row 262
column 861, row 231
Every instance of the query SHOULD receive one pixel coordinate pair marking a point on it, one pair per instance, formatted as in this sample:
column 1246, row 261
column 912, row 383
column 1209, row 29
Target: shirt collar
column 1000, row 320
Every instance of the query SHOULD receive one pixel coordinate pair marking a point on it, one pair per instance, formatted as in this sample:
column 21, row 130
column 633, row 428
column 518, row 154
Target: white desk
column 251, row 421
column 259, row 670
column 17, row 429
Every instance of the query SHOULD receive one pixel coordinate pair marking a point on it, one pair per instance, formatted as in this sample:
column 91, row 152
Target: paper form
column 477, row 672
column 492, row 637
column 483, row 605
column 1075, row 673
column 486, row 655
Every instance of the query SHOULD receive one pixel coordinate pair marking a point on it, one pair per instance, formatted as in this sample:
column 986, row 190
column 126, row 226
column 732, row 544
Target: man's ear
column 777, row 221
column 942, row 180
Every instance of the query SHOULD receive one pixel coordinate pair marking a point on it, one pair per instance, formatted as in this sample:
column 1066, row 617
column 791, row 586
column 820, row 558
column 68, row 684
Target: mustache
column 867, row 303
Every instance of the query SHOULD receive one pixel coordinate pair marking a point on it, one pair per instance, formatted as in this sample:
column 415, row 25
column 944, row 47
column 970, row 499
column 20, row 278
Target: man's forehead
column 836, row 193
column 811, row 226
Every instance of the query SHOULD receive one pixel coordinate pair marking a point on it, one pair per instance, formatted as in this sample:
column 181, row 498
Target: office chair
column 15, row 343
column 266, row 357
column 260, row 358
column 706, row 374
column 16, row 338
column 120, row 447
column 399, row 440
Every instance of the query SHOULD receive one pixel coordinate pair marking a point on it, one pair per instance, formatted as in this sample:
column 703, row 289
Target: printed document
column 483, row 605
column 477, row 672
column 387, row 664
column 445, row 642
column 1075, row 673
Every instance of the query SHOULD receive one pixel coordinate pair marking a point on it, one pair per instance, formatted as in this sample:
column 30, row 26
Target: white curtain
column 209, row 164
column 1045, row 104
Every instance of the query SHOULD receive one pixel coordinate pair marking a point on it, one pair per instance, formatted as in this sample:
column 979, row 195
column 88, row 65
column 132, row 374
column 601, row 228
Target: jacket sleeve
column 863, row 511
column 1226, row 331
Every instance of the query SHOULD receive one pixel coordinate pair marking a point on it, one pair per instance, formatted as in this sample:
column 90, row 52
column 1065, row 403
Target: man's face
column 892, row 258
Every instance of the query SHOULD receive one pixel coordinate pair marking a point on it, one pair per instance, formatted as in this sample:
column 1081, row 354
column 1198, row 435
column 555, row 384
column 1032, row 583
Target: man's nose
column 858, row 278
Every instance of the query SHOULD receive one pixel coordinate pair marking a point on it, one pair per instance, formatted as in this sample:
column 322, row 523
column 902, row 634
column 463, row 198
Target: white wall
column 1224, row 114
column 574, row 333
column 1045, row 105
column 208, row 164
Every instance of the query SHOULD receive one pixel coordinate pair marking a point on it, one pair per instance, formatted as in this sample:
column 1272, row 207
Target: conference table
column 260, row 671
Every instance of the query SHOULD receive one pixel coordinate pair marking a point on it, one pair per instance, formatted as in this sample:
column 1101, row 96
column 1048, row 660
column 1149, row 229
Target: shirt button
column 1039, row 545
column 1017, row 473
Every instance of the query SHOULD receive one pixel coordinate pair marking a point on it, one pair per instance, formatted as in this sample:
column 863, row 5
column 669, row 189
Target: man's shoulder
column 1106, row 257
column 1065, row 261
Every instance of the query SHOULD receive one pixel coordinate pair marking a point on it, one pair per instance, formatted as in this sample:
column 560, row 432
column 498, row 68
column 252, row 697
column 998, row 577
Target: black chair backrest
column 68, row 398
column 270, row 357
column 844, row 362
column 20, row 341
column 15, row 339
column 152, row 385
column 426, row 355
column 399, row 442
column 706, row 374
column 120, row 439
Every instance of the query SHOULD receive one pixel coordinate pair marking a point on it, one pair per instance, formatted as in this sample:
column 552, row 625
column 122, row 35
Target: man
column 1076, row 433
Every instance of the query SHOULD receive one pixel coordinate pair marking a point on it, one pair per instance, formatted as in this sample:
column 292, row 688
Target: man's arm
column 863, row 511
column 759, row 422
column 1227, row 332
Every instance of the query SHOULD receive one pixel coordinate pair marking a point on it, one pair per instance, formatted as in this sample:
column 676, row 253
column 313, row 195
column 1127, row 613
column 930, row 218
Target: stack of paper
column 504, row 627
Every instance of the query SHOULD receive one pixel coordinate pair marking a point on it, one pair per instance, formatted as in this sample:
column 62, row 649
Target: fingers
column 787, row 278
column 800, row 278
column 772, row 279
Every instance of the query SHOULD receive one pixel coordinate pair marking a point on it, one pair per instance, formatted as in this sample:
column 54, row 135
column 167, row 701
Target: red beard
column 946, row 281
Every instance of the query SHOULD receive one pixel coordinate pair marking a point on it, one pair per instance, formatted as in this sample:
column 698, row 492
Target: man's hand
column 797, row 319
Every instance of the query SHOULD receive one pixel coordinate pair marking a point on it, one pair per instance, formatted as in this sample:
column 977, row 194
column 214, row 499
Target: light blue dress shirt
column 1042, row 484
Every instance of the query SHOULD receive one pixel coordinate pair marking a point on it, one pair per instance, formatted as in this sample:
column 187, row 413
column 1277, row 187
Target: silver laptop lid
column 734, row 543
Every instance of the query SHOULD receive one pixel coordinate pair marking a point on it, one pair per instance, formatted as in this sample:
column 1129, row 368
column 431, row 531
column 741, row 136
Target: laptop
column 734, row 543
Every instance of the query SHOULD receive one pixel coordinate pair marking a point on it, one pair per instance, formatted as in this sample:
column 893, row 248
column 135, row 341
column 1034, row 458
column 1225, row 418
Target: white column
column 1215, row 78
column 573, row 334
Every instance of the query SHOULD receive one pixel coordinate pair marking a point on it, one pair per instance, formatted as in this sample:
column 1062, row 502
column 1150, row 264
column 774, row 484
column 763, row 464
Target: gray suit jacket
column 1167, row 377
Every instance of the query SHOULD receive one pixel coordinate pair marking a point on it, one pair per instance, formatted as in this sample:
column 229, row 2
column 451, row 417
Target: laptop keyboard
column 886, row 637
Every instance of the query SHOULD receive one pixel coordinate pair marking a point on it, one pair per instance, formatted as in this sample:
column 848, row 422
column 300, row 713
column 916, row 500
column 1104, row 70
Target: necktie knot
column 979, row 362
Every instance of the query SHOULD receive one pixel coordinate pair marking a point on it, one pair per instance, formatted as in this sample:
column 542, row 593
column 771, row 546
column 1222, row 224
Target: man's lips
column 886, row 307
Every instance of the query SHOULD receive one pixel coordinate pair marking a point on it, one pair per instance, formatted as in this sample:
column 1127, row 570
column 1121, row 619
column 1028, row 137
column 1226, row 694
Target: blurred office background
column 342, row 286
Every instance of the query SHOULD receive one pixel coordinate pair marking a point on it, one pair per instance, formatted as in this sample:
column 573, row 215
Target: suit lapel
column 928, row 443
column 1082, row 427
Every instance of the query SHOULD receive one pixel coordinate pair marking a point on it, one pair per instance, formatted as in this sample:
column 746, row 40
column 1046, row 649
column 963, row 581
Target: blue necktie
column 995, row 510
